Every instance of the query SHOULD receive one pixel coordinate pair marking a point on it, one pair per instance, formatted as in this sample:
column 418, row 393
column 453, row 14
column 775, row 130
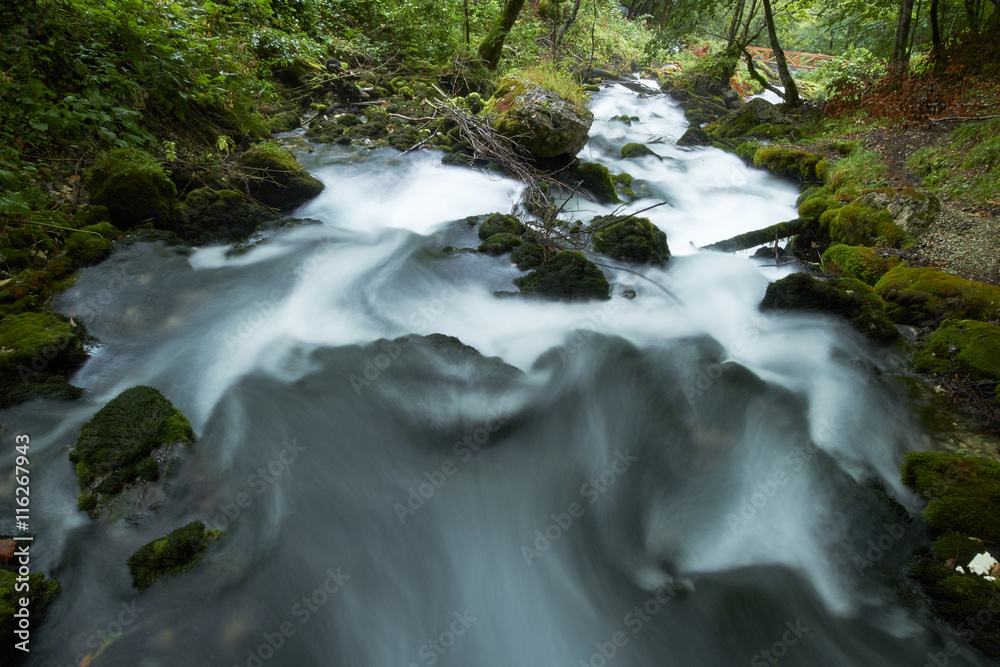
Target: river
column 641, row 483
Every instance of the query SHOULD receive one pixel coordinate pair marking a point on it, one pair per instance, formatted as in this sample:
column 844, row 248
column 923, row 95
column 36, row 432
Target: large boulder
column 276, row 179
column 37, row 350
column 134, row 188
column 911, row 209
column 847, row 297
column 631, row 239
column 567, row 276
column 754, row 119
column 543, row 123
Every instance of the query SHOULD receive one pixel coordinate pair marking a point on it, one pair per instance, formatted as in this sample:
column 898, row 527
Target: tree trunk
column 787, row 82
column 916, row 25
column 899, row 52
column 492, row 44
column 734, row 25
column 970, row 15
column 570, row 20
column 746, row 28
column 935, row 30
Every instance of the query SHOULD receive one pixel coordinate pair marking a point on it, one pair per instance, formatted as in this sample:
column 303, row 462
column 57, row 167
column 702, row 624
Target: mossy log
column 782, row 230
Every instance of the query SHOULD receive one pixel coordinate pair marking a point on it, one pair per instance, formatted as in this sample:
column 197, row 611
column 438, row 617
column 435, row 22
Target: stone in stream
column 755, row 118
column 542, row 122
column 567, row 276
column 170, row 555
column 276, row 179
column 598, row 180
column 37, row 351
column 635, row 150
column 631, row 239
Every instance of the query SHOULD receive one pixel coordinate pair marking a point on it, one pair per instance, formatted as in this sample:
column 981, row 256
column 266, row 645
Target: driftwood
column 782, row 230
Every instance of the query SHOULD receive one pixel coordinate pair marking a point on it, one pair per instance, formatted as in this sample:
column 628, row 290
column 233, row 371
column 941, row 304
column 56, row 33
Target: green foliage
column 42, row 593
column 966, row 166
column 114, row 447
column 631, row 240
column 554, row 78
column 861, row 170
column 170, row 555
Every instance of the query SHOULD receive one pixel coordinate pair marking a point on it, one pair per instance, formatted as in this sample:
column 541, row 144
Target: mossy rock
column 789, row 162
column 961, row 548
column 747, row 150
column 91, row 245
column 635, row 150
column 276, row 179
column 566, row 276
column 542, row 122
column 208, row 216
column 134, row 188
column 847, row 297
column 963, row 492
column 631, row 240
column 814, row 207
column 960, row 600
column 923, row 296
column 500, row 223
column 858, row 262
column 528, row 256
column 286, row 121
column 965, row 347
column 857, row 224
column 497, row 244
column 170, row 555
column 43, row 593
column 115, row 448
column 598, row 179
column 36, row 350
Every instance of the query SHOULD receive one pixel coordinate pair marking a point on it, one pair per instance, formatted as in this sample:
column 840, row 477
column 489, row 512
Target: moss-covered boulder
column 501, row 223
column 208, row 216
column 911, row 209
column 749, row 119
column 961, row 600
column 847, row 297
column 567, row 276
column 498, row 244
column 134, row 188
column 634, row 150
column 964, row 347
column 790, row 162
column 276, row 179
column 37, row 350
column 529, row 255
column 129, row 441
column 41, row 594
column 631, row 239
column 859, row 262
column 923, row 296
column 963, row 492
column 857, row 224
column 694, row 136
column 543, row 123
column 90, row 246
column 170, row 555
column 814, row 207
column 957, row 547
column 286, row 121
column 598, row 180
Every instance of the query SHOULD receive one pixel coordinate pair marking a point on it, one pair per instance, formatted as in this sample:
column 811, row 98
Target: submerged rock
column 134, row 188
column 924, row 296
column 207, row 216
column 545, row 124
column 170, row 555
column 847, row 297
column 128, row 442
column 631, row 239
column 567, row 276
column 635, row 150
column 598, row 180
column 276, row 179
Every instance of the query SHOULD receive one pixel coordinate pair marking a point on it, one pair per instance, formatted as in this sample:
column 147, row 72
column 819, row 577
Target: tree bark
column 570, row 20
column 736, row 23
column 899, row 51
column 916, row 25
column 492, row 44
column 935, row 30
column 787, row 82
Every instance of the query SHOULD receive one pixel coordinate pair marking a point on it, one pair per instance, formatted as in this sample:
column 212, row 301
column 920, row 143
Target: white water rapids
column 638, row 483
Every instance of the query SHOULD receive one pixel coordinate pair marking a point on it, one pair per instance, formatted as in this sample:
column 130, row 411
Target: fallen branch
column 760, row 236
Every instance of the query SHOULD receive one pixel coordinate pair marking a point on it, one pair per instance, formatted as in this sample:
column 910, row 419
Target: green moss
column 170, row 555
column 924, row 295
column 861, row 170
column 567, row 276
column 41, row 594
column 956, row 546
column 963, row 492
column 813, row 207
column 497, row 244
column 134, row 188
column 276, row 179
column 963, row 346
column 788, row 162
column 114, row 447
column 36, row 350
column 597, row 177
column 857, row 262
column 748, row 149
column 85, row 249
column 528, row 256
column 960, row 600
column 631, row 240
column 857, row 224
column 636, row 151
column 207, row 215
column 847, row 297
column 500, row 223
column 286, row 121
column 623, row 178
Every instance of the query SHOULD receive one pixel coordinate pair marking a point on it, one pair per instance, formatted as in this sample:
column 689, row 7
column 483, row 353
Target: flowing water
column 647, row 482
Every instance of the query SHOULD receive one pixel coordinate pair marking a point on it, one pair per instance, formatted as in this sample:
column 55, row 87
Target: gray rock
column 911, row 209
column 542, row 122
